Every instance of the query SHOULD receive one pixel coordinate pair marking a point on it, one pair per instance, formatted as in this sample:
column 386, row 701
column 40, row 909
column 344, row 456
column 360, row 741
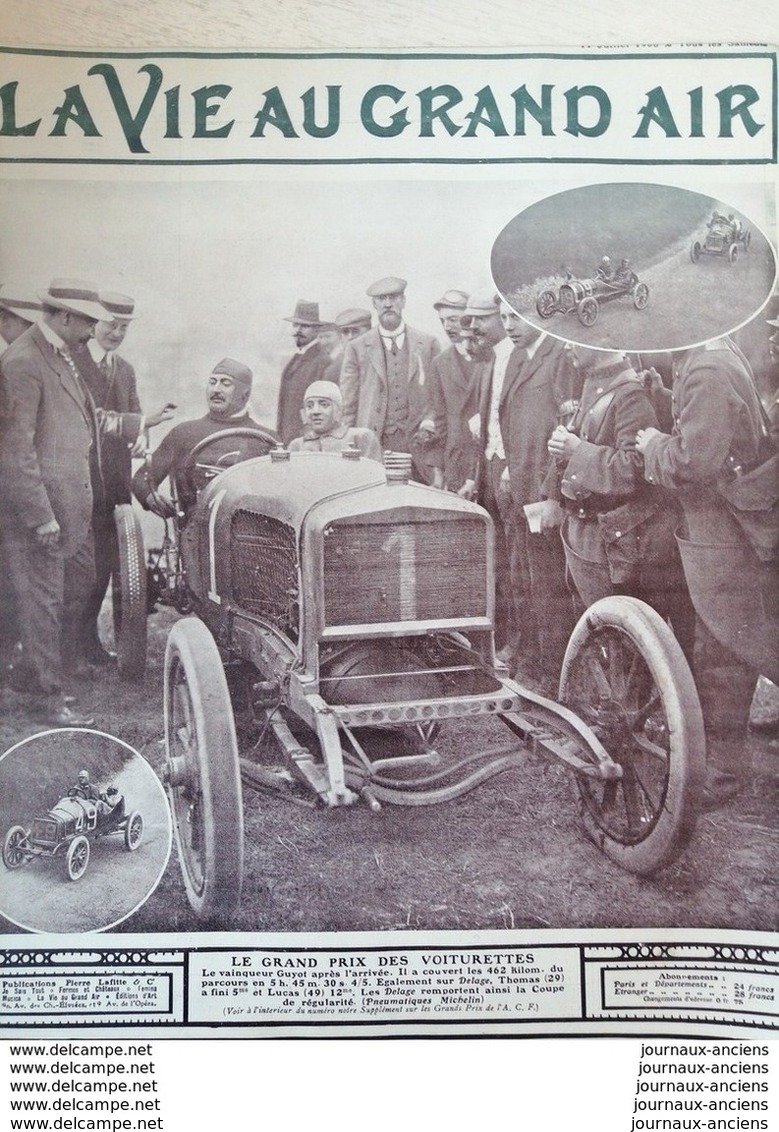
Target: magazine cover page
column 389, row 536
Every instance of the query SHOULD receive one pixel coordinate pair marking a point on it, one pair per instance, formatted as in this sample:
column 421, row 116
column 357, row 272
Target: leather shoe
column 60, row 715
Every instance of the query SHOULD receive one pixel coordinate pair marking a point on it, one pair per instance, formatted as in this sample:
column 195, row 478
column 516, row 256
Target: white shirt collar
column 97, row 351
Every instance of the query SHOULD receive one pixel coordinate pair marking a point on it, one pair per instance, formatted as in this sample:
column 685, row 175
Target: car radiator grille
column 264, row 568
column 383, row 572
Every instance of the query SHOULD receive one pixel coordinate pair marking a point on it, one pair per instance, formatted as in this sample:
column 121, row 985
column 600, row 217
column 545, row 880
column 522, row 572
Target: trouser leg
column 37, row 576
column 78, row 585
column 106, row 563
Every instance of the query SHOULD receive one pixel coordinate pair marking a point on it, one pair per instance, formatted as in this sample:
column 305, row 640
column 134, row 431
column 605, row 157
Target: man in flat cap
column 111, row 381
column 19, row 309
column 452, row 399
column 307, row 364
column 50, row 445
column 347, row 325
column 324, row 431
column 228, row 389
column 384, row 377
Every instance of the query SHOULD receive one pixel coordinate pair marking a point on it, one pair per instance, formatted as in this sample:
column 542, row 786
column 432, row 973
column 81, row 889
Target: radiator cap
column 279, row 454
column 397, row 465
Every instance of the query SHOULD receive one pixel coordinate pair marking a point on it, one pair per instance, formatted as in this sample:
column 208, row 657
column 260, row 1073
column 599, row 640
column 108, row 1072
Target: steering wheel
column 194, row 472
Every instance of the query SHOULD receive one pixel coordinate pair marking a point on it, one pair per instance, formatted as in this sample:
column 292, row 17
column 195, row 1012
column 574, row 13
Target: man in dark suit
column 111, row 381
column 384, row 375
column 50, row 431
column 309, row 363
column 538, row 383
column 452, row 398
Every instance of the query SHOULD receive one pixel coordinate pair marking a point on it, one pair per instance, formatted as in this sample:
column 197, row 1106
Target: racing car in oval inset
column 725, row 237
column 344, row 615
column 68, row 829
column 585, row 296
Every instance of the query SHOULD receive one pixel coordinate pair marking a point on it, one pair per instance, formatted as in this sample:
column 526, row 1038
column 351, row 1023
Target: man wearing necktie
column 50, row 438
column 111, row 382
column 384, row 378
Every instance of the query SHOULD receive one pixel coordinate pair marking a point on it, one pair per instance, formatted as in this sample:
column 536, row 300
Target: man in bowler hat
column 308, row 363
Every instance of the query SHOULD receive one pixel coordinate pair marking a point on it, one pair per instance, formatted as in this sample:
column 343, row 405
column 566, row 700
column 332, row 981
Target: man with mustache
column 49, row 460
column 309, row 363
column 384, row 377
column 452, row 399
column 228, row 390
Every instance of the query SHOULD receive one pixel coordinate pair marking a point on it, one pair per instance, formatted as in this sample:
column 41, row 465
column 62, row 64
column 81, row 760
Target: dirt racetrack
column 688, row 302
column 509, row 855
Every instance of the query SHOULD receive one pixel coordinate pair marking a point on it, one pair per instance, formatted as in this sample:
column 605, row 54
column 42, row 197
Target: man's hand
column 47, row 535
column 160, row 505
column 644, row 436
column 166, row 413
column 563, row 443
column 552, row 515
column 425, row 434
column 468, row 490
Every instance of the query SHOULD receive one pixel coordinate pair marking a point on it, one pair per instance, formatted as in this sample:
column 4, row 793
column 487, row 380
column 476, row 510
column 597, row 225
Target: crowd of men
column 599, row 478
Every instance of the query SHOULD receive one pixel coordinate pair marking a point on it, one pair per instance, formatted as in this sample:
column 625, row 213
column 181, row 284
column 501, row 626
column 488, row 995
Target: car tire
column 77, row 858
column 129, row 595
column 203, row 772
column 625, row 675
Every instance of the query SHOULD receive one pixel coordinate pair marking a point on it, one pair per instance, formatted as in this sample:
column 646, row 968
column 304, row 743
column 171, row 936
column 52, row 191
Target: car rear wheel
column 14, row 855
column 77, row 858
column 133, row 831
column 129, row 595
column 732, row 253
column 626, row 676
column 640, row 296
column 695, row 251
column 203, row 772
column 546, row 304
column 587, row 311
column 747, row 240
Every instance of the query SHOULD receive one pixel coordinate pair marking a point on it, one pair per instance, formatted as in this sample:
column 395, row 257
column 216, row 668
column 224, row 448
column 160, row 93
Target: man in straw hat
column 228, row 389
column 307, row 364
column 325, row 431
column 49, row 452
column 111, row 381
column 19, row 309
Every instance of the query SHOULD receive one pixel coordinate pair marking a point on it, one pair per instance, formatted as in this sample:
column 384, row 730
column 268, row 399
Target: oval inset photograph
column 86, row 831
column 634, row 266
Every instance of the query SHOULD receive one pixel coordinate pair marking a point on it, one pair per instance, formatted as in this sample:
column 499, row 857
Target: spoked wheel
column 640, row 296
column 133, row 831
column 587, row 311
column 732, row 253
column 747, row 238
column 77, row 858
column 546, row 304
column 203, row 772
column 626, row 676
column 129, row 595
column 695, row 251
column 14, row 854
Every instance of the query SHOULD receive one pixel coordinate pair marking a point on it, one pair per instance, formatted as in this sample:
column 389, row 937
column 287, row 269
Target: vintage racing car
column 725, row 237
column 349, row 613
column 585, row 296
column 67, row 830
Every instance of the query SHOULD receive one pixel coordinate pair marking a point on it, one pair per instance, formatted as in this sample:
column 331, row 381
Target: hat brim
column 29, row 314
column 84, row 307
column 303, row 321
